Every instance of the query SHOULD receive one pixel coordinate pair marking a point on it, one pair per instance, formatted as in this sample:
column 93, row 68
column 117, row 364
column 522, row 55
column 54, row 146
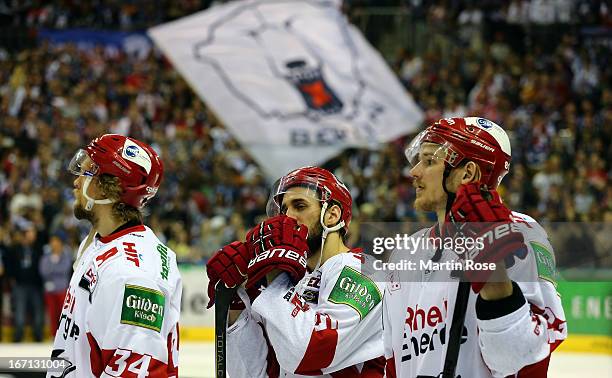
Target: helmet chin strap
column 326, row 231
column 450, row 196
column 90, row 201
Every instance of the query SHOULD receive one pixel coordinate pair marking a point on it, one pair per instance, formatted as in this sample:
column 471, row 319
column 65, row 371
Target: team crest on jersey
column 310, row 293
column 89, row 280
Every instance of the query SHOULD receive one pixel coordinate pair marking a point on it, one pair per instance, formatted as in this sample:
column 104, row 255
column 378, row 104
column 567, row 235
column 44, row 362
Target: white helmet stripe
column 494, row 129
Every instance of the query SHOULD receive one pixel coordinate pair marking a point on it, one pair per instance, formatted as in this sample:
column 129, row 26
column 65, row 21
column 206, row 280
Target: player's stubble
column 80, row 213
column 313, row 240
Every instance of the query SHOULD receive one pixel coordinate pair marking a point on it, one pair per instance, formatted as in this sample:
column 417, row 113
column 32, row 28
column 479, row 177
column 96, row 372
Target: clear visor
column 305, row 186
column 82, row 165
column 428, row 146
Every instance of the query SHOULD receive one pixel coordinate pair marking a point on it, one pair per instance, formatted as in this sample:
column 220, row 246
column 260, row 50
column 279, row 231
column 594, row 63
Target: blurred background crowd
column 539, row 68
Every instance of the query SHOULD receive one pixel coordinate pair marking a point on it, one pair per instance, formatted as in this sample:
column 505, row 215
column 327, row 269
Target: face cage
column 79, row 161
column 441, row 149
column 314, row 188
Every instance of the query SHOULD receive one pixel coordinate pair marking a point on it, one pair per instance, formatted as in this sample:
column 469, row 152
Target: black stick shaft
column 223, row 299
column 456, row 330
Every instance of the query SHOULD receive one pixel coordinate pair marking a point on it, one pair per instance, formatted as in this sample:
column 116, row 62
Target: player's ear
column 332, row 215
column 471, row 172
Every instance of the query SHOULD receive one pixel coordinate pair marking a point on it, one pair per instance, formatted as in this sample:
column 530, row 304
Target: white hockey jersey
column 120, row 317
column 514, row 338
column 333, row 328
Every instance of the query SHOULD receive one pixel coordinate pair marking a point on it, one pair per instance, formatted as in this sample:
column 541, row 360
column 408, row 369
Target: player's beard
column 315, row 234
column 80, row 213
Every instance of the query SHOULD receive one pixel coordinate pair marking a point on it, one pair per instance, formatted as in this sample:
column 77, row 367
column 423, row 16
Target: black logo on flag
column 317, row 95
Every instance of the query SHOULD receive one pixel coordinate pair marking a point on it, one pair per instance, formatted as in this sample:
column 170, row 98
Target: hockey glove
column 228, row 267
column 480, row 214
column 277, row 243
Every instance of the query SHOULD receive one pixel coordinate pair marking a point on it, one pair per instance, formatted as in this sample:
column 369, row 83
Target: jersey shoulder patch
column 545, row 262
column 355, row 290
column 536, row 237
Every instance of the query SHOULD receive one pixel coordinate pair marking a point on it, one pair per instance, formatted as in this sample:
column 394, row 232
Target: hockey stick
column 223, row 299
column 456, row 330
column 461, row 303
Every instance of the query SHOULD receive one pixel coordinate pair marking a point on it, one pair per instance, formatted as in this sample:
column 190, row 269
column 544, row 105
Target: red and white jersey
column 121, row 312
column 418, row 312
column 328, row 325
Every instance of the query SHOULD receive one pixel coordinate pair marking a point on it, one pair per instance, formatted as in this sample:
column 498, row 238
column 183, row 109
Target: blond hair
column 111, row 188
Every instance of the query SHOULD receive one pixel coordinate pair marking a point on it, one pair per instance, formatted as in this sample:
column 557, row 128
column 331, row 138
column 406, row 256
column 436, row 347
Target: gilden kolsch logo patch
column 143, row 307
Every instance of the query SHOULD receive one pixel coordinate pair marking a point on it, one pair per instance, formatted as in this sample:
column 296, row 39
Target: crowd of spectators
column 103, row 14
column 555, row 103
column 140, row 14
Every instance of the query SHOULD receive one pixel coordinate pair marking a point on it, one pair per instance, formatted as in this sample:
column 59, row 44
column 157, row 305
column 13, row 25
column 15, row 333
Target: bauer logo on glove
column 479, row 212
column 279, row 253
column 278, row 243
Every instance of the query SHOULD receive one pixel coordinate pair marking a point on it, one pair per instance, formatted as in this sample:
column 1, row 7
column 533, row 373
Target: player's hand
column 228, row 267
column 277, row 243
column 279, row 230
column 480, row 213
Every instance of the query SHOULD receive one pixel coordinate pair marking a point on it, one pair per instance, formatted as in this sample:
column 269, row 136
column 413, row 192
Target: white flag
column 293, row 81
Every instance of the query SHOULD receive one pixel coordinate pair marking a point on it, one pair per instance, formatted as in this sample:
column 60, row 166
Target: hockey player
column 319, row 314
column 121, row 314
column 514, row 318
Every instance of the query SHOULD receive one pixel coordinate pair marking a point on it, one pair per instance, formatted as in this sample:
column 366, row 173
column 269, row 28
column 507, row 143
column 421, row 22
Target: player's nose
column 291, row 213
column 415, row 171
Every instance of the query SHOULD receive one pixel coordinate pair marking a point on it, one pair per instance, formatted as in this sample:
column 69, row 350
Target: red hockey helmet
column 470, row 138
column 325, row 186
column 136, row 164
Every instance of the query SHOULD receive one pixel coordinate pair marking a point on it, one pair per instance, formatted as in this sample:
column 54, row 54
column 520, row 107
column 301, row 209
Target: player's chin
column 79, row 211
column 422, row 204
